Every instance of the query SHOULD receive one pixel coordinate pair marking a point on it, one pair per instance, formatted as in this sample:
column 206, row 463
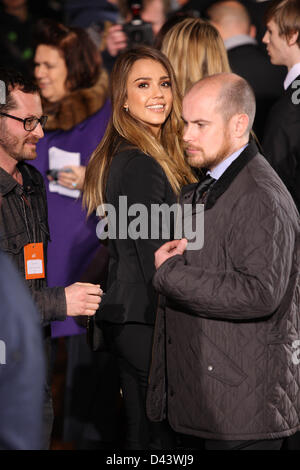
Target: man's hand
column 169, row 249
column 116, row 40
column 82, row 299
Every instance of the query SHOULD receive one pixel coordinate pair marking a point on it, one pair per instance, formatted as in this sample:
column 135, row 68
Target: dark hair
column 11, row 80
column 82, row 58
column 286, row 14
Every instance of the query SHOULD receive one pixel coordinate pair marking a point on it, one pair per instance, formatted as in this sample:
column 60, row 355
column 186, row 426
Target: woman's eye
column 166, row 84
column 143, row 85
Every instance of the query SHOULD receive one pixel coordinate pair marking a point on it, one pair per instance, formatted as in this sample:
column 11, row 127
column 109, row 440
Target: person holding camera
column 142, row 21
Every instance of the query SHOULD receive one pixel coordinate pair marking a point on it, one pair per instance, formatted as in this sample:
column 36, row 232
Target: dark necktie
column 202, row 189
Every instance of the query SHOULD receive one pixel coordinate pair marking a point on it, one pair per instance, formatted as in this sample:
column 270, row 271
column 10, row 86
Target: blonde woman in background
column 195, row 50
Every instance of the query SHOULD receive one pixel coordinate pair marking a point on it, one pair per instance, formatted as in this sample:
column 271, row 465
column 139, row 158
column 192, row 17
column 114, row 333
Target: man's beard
column 11, row 145
column 205, row 161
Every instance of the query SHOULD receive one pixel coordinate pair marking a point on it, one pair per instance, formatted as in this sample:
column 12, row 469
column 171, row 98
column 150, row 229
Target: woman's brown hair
column 167, row 150
column 82, row 58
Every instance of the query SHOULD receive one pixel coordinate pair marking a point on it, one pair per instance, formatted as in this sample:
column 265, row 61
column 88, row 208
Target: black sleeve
column 144, row 182
column 260, row 247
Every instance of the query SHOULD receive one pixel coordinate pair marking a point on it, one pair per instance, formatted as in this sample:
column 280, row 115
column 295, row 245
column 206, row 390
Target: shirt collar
column 292, row 75
column 218, row 171
column 239, row 40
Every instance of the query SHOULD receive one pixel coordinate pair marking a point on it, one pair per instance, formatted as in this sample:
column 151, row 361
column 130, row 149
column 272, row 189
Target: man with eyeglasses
column 24, row 232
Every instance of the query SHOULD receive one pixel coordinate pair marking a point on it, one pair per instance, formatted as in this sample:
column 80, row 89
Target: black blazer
column 266, row 79
column 281, row 143
column 130, row 295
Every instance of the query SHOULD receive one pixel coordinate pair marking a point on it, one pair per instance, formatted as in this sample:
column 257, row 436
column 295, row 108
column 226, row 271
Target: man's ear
column 252, row 31
column 240, row 123
column 293, row 38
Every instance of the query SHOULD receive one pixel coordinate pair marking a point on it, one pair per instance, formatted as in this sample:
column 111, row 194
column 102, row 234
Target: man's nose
column 38, row 131
column 187, row 133
column 265, row 39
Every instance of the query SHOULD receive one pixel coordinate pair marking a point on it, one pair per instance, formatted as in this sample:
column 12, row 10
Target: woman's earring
column 126, row 108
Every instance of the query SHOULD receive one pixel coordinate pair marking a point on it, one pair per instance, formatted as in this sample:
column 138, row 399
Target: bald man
column 246, row 58
column 230, row 320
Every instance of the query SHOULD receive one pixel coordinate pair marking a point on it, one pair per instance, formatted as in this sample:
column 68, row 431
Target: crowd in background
column 70, row 47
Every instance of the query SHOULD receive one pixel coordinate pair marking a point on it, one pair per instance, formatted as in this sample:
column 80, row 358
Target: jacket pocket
column 214, row 362
column 14, row 243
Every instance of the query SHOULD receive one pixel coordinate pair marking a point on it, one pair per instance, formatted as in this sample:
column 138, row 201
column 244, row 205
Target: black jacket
column 232, row 316
column 16, row 231
column 130, row 294
column 281, row 143
column 248, row 61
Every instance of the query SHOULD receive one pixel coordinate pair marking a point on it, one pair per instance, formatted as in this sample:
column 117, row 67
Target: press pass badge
column 34, row 261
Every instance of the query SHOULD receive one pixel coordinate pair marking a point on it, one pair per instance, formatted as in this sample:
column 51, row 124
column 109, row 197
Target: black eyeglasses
column 29, row 123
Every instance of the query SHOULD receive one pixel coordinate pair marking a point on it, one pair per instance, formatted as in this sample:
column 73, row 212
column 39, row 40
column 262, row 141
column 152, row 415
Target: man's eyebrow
column 196, row 121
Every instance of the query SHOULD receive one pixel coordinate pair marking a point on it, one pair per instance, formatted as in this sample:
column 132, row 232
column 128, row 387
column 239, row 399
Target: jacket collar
column 76, row 106
column 8, row 183
column 227, row 178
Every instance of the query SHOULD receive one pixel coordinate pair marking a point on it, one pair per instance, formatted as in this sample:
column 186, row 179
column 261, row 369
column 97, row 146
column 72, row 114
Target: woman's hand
column 73, row 179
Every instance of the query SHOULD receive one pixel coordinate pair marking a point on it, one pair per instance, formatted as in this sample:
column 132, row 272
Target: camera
column 54, row 172
column 138, row 31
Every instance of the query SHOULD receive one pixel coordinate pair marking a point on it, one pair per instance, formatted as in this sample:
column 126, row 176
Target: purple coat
column 73, row 237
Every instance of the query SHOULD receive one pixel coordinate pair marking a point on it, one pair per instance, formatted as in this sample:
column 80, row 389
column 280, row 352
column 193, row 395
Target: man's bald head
column 233, row 95
column 230, row 18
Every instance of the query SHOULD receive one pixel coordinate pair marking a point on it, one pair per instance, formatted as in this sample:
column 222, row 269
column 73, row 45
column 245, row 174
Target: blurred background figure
column 17, row 20
column 22, row 364
column 74, row 89
column 149, row 11
column 95, row 16
column 85, row 13
column 195, row 50
column 256, row 9
column 246, row 58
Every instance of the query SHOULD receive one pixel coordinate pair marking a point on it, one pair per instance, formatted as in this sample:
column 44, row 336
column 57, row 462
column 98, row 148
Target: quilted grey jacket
column 225, row 338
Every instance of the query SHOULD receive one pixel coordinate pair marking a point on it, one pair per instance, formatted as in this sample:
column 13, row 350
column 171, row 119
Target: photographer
column 149, row 11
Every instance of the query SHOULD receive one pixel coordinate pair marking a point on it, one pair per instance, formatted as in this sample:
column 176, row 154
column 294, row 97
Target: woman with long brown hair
column 140, row 158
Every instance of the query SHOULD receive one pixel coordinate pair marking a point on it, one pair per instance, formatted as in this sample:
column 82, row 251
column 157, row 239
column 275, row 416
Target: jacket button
column 172, row 393
column 169, row 341
column 210, row 368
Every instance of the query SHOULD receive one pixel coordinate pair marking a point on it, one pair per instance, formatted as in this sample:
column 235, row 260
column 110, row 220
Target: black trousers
column 132, row 346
